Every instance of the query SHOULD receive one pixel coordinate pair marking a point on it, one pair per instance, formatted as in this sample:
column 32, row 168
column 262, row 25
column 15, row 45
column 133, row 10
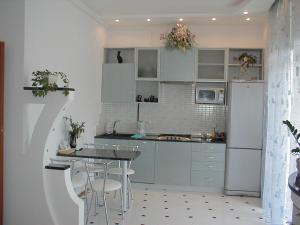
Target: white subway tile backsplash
column 176, row 113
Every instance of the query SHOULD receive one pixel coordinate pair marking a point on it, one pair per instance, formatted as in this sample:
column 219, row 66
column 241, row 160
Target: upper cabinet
column 176, row 65
column 251, row 72
column 147, row 64
column 118, row 83
column 118, row 80
column 211, row 65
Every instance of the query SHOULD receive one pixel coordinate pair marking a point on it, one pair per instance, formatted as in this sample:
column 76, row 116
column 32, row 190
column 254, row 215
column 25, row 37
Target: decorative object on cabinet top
column 246, row 60
column 180, row 37
column 45, row 81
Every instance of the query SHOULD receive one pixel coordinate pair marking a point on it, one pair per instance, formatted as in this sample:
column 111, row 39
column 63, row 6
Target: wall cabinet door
column 144, row 165
column 173, row 163
column 176, row 65
column 118, row 83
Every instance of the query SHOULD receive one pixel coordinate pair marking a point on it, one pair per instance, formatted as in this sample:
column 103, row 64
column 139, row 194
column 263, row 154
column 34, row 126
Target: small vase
column 73, row 141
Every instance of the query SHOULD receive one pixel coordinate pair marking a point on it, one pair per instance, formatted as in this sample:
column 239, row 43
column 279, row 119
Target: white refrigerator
column 244, row 138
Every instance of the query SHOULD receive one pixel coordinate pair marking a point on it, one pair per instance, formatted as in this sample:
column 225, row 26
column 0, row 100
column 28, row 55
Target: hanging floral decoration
column 180, row 37
column 246, row 60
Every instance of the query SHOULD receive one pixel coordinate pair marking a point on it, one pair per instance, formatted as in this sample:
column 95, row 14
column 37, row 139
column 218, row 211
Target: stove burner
column 169, row 137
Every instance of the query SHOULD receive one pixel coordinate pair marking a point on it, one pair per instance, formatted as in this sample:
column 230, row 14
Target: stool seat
column 79, row 180
column 118, row 171
column 110, row 185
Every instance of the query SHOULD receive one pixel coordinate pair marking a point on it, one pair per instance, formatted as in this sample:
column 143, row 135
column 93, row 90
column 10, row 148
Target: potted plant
column 295, row 151
column 45, row 81
column 76, row 129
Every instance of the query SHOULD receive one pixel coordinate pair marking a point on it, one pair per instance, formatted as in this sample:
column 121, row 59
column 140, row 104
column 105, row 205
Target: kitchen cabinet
column 253, row 72
column 211, row 65
column 144, row 165
column 176, row 65
column 173, row 163
column 208, row 165
column 118, row 83
column 147, row 66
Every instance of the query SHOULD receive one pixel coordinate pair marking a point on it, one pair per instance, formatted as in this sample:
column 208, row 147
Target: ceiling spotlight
column 117, row 20
column 180, row 19
column 248, row 19
column 245, row 12
column 148, row 20
column 214, row 19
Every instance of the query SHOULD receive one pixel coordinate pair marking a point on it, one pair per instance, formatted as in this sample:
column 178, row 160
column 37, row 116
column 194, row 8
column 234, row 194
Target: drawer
column 208, row 156
column 208, row 166
column 207, row 147
column 207, row 179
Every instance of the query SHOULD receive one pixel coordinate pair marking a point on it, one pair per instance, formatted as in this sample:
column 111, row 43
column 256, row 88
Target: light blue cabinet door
column 118, row 83
column 173, row 163
column 144, row 165
column 176, row 65
column 208, row 165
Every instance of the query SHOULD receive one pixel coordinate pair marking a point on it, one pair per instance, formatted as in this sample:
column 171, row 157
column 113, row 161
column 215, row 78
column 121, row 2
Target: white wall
column 40, row 34
column 246, row 36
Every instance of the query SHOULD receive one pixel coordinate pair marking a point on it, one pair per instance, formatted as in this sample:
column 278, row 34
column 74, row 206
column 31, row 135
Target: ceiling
column 135, row 12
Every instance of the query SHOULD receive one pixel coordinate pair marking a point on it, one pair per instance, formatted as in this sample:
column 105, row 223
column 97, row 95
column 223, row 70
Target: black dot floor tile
column 206, row 202
column 253, row 210
column 145, row 200
column 166, row 208
column 165, row 201
column 188, row 208
column 227, row 202
column 143, row 215
column 91, row 222
column 231, row 209
column 210, row 209
column 237, row 218
column 167, row 216
column 144, row 207
column 214, row 217
column 165, row 195
column 186, row 201
column 191, row 217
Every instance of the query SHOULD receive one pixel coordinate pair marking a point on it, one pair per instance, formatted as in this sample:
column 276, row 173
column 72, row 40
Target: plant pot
column 73, row 140
column 52, row 79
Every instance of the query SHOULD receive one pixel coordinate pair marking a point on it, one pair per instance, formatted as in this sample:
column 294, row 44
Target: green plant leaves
column 41, row 85
column 296, row 135
column 77, row 128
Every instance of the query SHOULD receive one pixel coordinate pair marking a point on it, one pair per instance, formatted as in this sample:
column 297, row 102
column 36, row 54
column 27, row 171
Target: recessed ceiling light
column 214, row 19
column 245, row 12
column 117, row 20
column 248, row 19
column 180, row 19
column 148, row 20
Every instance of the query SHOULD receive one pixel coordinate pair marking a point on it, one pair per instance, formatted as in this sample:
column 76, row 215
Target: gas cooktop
column 174, row 137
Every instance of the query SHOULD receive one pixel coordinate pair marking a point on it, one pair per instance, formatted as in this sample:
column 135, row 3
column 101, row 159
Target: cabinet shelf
column 254, row 65
column 40, row 88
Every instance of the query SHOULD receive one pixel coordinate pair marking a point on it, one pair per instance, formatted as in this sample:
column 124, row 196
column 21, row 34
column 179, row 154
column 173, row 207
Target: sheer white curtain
column 278, row 108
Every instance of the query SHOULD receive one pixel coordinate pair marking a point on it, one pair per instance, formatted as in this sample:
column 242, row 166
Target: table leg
column 124, row 185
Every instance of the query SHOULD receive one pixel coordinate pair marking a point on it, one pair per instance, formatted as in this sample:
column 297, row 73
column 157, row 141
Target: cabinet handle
column 211, row 166
column 211, row 157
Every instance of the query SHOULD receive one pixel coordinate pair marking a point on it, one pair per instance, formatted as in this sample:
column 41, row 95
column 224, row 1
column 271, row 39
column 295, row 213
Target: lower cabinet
column 176, row 163
column 144, row 165
column 208, row 165
column 173, row 163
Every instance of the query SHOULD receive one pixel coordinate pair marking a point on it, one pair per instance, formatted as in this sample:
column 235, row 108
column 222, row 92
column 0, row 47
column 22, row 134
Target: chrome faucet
column 114, row 127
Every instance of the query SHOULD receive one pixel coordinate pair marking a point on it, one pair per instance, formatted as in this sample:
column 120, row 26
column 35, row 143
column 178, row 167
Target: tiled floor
column 163, row 207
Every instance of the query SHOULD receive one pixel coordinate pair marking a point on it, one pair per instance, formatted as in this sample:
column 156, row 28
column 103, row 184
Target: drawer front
column 207, row 179
column 208, row 147
column 208, row 156
column 208, row 166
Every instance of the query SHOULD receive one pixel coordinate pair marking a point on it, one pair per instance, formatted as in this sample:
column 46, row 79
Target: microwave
column 206, row 95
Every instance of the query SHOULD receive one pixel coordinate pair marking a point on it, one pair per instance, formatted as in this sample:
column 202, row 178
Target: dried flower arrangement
column 246, row 60
column 180, row 37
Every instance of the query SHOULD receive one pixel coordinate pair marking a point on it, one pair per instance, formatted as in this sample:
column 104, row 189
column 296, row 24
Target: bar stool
column 102, row 185
column 118, row 170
